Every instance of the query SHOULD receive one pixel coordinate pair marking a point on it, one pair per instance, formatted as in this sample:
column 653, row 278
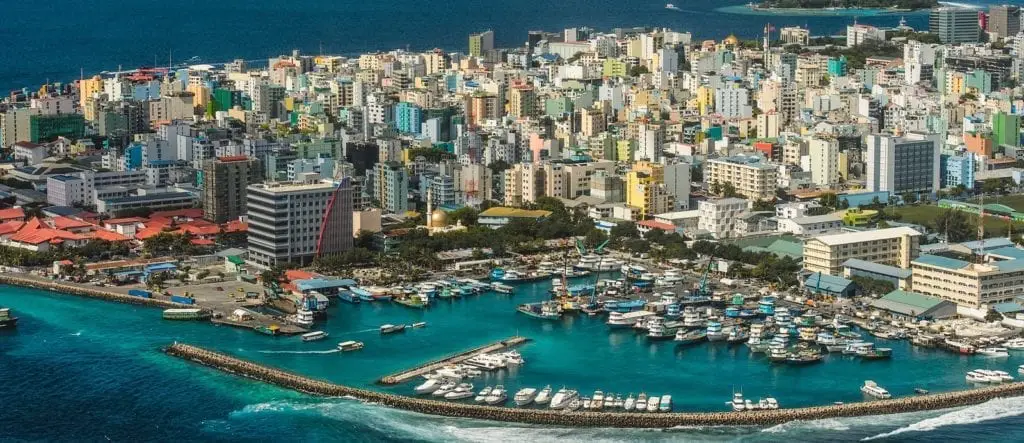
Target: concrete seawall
column 409, row 374
column 56, row 286
column 600, row 419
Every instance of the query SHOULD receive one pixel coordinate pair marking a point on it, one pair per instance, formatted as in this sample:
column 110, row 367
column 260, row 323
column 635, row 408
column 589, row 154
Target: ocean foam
column 990, row 410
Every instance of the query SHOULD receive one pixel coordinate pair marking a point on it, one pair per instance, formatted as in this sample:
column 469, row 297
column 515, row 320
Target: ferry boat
column 690, row 337
column 692, row 318
column 659, row 329
column 548, row 310
column 808, row 334
column 179, row 314
column 672, row 310
column 6, row 320
column 737, row 335
column 993, row 352
column 412, row 301
column 314, row 336
column 362, row 293
column 544, row 396
column 715, row 332
column 858, row 348
column 391, row 329
column 871, row 388
column 619, row 320
column 625, row 305
column 348, row 296
column 350, row 345
column 757, row 344
column 766, row 305
column 873, row 353
column 804, row 358
column 525, row 396
column 502, row 288
column 302, row 317
column 777, row 354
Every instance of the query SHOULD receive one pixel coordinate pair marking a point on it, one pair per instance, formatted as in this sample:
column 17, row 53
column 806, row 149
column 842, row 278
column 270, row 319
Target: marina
column 425, row 368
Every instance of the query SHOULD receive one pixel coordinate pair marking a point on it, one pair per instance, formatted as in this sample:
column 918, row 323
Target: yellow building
column 705, row 99
column 891, row 246
column 624, row 150
column 522, row 101
column 858, row 216
column 614, row 68
column 968, row 284
column 87, row 87
column 645, row 194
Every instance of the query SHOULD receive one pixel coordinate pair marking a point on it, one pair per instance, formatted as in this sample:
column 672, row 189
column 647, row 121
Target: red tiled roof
column 200, row 230
column 236, row 226
column 297, row 274
column 657, row 225
column 12, row 214
column 11, row 227
column 101, row 234
column 187, row 213
column 202, row 242
column 43, row 235
column 68, row 223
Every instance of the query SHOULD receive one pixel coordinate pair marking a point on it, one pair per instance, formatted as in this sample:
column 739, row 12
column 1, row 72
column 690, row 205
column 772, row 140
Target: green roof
column 236, row 260
column 924, row 302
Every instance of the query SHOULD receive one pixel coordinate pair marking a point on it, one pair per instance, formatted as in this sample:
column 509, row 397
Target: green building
column 557, row 106
column 1006, row 129
column 327, row 147
column 44, row 128
column 226, row 98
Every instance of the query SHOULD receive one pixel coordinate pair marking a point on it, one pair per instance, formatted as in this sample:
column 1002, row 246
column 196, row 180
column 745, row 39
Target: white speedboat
column 445, row 388
column 996, row 376
column 641, row 403
column 629, row 403
column 498, row 395
column 463, row 390
column 871, row 388
column 482, row 395
column 428, row 386
column 653, row 403
column 575, row 404
column 772, row 403
column 597, row 401
column 525, row 396
column 737, row 402
column 1015, row 344
column 562, row 398
column 544, row 396
column 993, row 352
column 976, row 377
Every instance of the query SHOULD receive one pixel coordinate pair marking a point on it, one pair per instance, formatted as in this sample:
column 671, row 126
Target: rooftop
column 502, row 211
column 877, row 268
column 858, row 237
column 907, row 303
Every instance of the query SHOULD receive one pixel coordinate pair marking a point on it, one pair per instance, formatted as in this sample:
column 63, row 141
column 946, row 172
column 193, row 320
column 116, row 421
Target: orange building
column 978, row 144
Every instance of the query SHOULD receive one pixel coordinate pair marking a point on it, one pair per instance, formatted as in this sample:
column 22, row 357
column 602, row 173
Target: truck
column 182, row 299
column 140, row 293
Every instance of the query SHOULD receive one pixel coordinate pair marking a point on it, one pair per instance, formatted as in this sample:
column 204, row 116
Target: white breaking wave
column 962, row 5
column 990, row 410
column 330, row 351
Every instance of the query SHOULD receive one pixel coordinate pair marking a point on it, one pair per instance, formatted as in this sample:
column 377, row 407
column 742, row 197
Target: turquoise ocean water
column 80, row 369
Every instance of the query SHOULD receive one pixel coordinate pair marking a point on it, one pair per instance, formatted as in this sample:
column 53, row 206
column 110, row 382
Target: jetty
column 431, row 366
column 85, row 291
column 312, row 386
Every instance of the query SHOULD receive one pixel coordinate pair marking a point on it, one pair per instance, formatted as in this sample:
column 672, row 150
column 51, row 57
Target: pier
column 584, row 418
column 85, row 291
column 409, row 374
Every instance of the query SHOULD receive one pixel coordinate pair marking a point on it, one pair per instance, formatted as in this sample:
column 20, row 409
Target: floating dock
column 410, row 374
column 587, row 418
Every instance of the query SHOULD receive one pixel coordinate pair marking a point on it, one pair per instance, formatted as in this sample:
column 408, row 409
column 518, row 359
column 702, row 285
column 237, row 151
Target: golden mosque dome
column 438, row 218
column 731, row 40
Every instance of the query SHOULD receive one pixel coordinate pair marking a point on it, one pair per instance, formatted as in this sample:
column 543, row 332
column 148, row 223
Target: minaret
column 430, row 208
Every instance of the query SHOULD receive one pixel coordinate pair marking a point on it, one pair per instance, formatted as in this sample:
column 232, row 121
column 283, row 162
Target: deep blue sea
column 81, row 369
column 56, row 39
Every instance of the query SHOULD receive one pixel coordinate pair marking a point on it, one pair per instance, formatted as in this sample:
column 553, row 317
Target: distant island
column 902, row 5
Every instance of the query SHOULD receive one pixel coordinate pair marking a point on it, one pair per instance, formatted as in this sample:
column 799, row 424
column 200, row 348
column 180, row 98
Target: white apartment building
column 733, row 102
column 285, row 220
column 811, row 225
column 719, row 217
column 751, row 178
column 859, row 33
column 890, row 246
column 824, row 162
column 968, row 284
column 795, row 209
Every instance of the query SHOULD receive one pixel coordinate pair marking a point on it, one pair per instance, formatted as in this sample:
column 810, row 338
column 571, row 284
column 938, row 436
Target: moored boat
column 871, row 388
column 391, row 329
column 314, row 336
column 350, row 345
column 183, row 314
column 525, row 396
column 6, row 319
column 544, row 396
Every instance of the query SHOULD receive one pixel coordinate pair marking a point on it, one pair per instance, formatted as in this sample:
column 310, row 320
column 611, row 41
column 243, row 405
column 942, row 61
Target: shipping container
column 182, row 300
column 140, row 293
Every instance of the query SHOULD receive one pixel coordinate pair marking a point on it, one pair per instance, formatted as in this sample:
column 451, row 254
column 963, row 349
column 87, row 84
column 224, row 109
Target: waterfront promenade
column 409, row 374
column 32, row 281
column 600, row 419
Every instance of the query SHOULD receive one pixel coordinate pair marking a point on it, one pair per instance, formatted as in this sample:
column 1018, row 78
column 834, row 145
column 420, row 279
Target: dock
column 662, row 420
column 431, row 366
column 284, row 328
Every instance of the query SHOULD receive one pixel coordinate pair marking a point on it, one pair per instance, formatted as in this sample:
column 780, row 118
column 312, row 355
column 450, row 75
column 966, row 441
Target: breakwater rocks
column 600, row 419
column 50, row 285
column 407, row 375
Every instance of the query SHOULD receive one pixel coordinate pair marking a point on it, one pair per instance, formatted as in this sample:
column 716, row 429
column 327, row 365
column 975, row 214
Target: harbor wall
column 83, row 291
column 598, row 419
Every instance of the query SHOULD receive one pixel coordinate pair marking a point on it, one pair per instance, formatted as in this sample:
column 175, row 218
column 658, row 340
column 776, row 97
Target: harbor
column 405, row 376
column 605, row 419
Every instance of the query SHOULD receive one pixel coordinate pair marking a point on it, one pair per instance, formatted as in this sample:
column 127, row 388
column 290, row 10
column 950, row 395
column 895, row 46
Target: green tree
column 954, row 224
column 729, row 190
column 829, row 200
column 764, row 205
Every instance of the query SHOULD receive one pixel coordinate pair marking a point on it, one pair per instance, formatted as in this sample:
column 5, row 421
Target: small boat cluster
column 988, row 376
column 448, row 382
column 739, row 404
column 570, row 400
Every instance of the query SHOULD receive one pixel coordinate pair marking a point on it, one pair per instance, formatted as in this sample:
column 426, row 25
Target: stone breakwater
column 598, row 419
column 55, row 286
column 405, row 376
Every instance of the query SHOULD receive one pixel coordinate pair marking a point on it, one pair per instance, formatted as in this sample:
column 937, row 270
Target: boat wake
column 76, row 334
column 329, row 351
column 961, row 5
column 990, row 410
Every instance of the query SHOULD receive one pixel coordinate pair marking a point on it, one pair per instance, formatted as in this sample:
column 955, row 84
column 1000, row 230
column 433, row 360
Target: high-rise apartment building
column 749, row 176
column 954, row 24
column 225, row 183
column 481, row 43
column 1004, row 20
column 391, row 187
column 902, row 164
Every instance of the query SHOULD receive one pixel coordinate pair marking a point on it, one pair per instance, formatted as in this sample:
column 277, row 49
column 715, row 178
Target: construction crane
column 702, row 289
